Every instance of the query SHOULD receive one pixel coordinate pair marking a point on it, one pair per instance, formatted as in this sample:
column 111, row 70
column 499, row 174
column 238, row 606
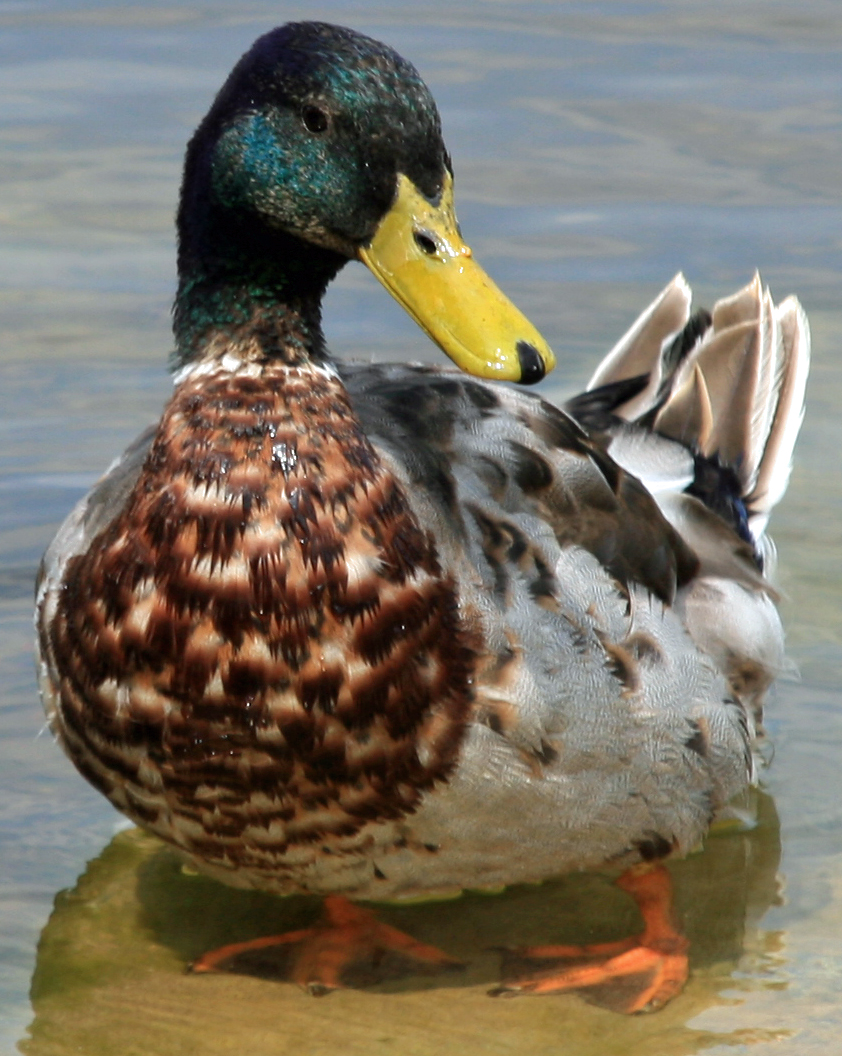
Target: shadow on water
column 110, row 975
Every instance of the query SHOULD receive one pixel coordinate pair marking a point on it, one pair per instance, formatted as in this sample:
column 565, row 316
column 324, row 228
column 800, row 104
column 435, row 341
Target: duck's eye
column 426, row 243
column 315, row 119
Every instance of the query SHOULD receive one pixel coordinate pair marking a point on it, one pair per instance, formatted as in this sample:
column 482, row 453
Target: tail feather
column 688, row 415
column 739, row 362
column 776, row 463
column 711, row 433
column 729, row 385
column 640, row 349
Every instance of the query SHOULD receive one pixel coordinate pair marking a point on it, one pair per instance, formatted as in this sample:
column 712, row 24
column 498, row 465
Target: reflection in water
column 111, row 960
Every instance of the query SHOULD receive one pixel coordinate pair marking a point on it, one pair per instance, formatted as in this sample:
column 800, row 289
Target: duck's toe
column 635, row 978
column 349, row 942
column 639, row 974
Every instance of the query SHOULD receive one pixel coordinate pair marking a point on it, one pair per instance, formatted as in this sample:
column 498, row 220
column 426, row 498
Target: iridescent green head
column 318, row 140
column 309, row 131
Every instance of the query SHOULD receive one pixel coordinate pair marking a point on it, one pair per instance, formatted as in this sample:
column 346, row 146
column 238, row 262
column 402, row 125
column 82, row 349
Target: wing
column 568, row 570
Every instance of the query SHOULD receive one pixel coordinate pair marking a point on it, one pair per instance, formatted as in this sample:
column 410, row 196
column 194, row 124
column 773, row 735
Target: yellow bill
column 419, row 256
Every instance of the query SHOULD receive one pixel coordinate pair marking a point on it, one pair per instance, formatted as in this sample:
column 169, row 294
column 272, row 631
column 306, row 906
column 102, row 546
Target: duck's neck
column 249, row 291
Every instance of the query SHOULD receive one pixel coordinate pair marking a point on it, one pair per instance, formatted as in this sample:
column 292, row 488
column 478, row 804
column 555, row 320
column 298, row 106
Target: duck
column 388, row 631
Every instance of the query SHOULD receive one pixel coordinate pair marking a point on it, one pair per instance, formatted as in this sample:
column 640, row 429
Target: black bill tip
column 532, row 367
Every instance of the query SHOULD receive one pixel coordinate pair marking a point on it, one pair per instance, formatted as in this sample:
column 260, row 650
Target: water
column 599, row 147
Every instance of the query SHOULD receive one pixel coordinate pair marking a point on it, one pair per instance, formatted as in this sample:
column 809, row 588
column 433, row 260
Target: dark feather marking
column 718, row 487
column 621, row 664
column 493, row 549
column 546, row 754
column 556, row 428
column 697, row 742
column 653, row 848
column 595, row 408
column 544, row 584
column 532, row 471
column 143, row 811
column 484, row 399
column 493, row 475
column 492, row 719
column 643, row 647
column 695, row 327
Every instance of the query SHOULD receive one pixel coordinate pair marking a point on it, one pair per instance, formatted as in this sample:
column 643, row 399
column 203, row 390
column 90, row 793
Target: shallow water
column 599, row 147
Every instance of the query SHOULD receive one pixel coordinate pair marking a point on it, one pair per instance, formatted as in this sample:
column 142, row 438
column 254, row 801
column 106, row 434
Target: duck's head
column 325, row 146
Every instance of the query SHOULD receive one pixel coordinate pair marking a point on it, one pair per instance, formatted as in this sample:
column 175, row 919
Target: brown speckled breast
column 261, row 650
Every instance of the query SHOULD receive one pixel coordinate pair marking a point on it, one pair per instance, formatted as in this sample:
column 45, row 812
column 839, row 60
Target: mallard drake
column 373, row 632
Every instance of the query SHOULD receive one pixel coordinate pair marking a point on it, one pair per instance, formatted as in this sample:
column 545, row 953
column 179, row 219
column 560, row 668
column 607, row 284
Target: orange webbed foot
column 639, row 974
column 348, row 936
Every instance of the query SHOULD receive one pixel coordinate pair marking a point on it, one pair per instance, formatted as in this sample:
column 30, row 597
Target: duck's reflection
column 136, row 919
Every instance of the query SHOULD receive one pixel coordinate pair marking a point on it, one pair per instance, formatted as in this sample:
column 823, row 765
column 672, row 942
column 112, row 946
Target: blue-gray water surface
column 599, row 147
